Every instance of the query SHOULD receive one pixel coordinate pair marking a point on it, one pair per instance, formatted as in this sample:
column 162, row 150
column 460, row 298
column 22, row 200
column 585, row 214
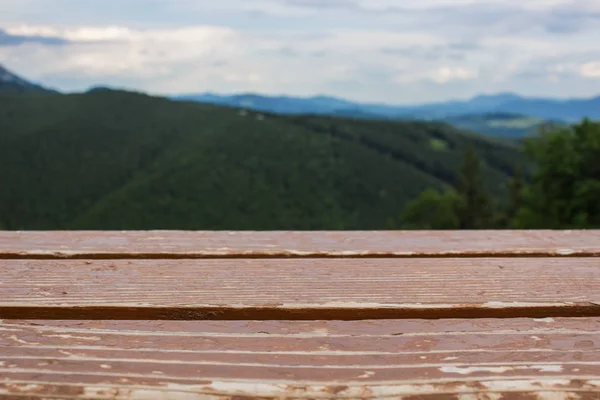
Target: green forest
column 562, row 192
column 110, row 159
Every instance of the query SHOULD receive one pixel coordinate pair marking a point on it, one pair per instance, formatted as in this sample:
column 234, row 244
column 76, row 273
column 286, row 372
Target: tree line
column 560, row 189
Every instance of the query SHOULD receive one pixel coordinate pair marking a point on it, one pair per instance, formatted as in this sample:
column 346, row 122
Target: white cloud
column 440, row 75
column 447, row 74
column 590, row 69
column 428, row 4
column 99, row 52
column 104, row 52
column 373, row 50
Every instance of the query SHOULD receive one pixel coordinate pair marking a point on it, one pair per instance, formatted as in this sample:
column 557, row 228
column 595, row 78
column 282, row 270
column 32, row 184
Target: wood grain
column 418, row 359
column 178, row 244
column 301, row 315
column 272, row 289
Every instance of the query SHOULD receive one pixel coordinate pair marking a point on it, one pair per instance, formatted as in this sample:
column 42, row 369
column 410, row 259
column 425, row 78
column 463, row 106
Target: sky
column 384, row 51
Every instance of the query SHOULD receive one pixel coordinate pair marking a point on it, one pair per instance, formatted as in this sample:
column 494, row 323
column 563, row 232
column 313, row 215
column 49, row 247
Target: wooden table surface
column 302, row 315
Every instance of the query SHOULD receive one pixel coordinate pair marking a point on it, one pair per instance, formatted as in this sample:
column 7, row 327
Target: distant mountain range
column 498, row 115
column 571, row 110
column 504, row 114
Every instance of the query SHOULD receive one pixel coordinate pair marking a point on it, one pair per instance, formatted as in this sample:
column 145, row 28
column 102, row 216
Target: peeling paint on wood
column 300, row 315
column 489, row 358
column 228, row 359
column 311, row 289
column 178, row 244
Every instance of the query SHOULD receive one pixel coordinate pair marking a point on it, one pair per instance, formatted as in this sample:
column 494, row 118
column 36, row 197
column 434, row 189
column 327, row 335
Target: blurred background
column 299, row 114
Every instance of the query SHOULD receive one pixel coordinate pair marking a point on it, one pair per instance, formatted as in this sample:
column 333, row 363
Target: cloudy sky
column 394, row 51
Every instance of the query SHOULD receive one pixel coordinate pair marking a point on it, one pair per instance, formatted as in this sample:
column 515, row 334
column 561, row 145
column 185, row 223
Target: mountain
column 507, row 103
column 571, row 110
column 487, row 101
column 507, row 125
column 110, row 159
column 274, row 104
column 11, row 84
column 566, row 110
column 481, row 104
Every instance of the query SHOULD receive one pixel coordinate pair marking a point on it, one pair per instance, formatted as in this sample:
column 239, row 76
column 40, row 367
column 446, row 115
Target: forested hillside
column 119, row 160
column 513, row 126
column 563, row 191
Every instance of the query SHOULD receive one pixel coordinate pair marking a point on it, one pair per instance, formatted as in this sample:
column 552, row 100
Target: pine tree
column 475, row 211
column 515, row 195
column 565, row 188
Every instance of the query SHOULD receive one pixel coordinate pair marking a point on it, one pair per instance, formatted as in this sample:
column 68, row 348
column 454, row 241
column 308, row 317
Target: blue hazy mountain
column 503, row 114
column 568, row 110
column 289, row 104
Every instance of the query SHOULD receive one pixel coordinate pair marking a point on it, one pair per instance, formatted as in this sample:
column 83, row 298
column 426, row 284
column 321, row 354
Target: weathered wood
column 308, row 289
column 286, row 282
column 488, row 359
column 171, row 244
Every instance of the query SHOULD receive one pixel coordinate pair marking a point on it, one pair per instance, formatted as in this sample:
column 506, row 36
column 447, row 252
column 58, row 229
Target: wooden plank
column 178, row 244
column 273, row 289
column 488, row 358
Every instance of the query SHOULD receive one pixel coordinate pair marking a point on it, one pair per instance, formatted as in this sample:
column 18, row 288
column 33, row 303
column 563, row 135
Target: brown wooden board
column 549, row 358
column 307, row 289
column 179, row 244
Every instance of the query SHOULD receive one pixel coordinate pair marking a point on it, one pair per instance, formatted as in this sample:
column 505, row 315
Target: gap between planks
column 432, row 312
column 66, row 255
